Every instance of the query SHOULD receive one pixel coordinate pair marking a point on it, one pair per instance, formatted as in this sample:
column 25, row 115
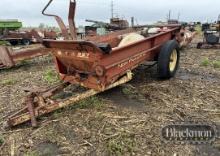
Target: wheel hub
column 173, row 60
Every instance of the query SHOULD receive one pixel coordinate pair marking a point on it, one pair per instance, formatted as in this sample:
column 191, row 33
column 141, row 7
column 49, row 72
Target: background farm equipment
column 9, row 32
column 9, row 25
column 99, row 64
column 24, row 38
column 114, row 25
column 27, row 37
column 211, row 35
column 9, row 58
column 101, row 28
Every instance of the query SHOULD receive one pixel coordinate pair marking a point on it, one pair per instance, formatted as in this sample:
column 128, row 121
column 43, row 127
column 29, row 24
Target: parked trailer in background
column 7, row 25
column 9, row 32
column 17, row 37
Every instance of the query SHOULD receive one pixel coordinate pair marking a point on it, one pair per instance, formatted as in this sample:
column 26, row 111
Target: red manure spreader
column 101, row 63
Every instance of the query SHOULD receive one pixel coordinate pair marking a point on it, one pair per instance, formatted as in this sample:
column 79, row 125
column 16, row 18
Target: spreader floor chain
column 39, row 103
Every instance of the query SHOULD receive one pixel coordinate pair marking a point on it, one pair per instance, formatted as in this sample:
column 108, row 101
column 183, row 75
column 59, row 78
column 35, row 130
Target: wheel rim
column 173, row 60
column 26, row 42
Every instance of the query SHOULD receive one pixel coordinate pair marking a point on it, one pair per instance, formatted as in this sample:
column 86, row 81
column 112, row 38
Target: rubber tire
column 26, row 42
column 13, row 42
column 164, row 59
column 199, row 45
column 212, row 39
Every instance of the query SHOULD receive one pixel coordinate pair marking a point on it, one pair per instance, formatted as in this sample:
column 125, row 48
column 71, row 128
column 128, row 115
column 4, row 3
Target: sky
column 144, row 11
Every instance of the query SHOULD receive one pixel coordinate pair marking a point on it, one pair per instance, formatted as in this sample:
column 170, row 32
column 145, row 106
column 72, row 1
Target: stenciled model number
column 131, row 60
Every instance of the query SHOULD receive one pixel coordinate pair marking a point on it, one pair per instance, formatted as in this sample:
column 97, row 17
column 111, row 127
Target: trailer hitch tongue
column 35, row 104
column 39, row 104
column 35, row 93
column 30, row 104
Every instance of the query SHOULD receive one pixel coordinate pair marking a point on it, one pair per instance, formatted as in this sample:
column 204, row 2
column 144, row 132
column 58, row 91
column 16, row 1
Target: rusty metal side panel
column 129, row 57
column 119, row 55
column 131, row 63
column 5, row 57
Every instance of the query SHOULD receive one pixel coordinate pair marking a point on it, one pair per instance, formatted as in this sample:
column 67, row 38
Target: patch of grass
column 128, row 90
column 216, row 64
column 24, row 62
column 3, row 42
column 121, row 145
column 1, row 140
column 58, row 113
column 131, row 92
column 91, row 102
column 88, row 103
column 32, row 153
column 8, row 82
column 99, row 116
column 51, row 76
column 205, row 62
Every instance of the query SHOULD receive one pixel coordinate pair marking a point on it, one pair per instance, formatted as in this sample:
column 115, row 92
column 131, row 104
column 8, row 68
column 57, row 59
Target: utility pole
column 169, row 15
column 112, row 8
column 219, row 24
column 132, row 22
column 178, row 16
